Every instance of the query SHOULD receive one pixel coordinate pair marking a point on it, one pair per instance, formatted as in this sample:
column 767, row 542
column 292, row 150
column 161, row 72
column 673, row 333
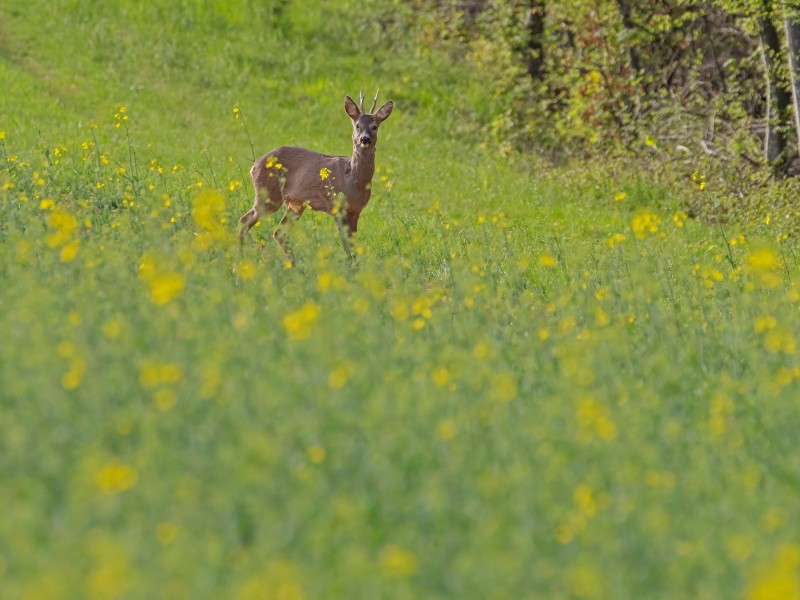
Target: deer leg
column 260, row 208
column 247, row 220
column 351, row 222
column 290, row 216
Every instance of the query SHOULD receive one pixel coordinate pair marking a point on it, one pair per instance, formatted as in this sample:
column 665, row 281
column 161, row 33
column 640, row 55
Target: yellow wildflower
column 298, row 323
column 153, row 375
column 547, row 260
column 116, row 478
column 779, row 579
column 166, row 287
column 445, row 430
column 645, row 223
column 397, row 562
column 316, row 454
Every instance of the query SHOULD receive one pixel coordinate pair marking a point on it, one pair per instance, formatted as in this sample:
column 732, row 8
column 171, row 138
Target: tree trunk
column 627, row 22
column 792, row 26
column 779, row 99
column 533, row 52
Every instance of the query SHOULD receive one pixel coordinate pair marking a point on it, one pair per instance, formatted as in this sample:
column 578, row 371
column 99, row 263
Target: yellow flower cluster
column 298, row 324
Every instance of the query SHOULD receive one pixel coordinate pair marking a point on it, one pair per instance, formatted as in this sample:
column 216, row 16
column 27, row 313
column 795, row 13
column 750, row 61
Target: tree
column 779, row 98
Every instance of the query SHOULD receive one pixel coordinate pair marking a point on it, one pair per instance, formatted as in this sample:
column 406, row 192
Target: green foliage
column 536, row 381
column 676, row 80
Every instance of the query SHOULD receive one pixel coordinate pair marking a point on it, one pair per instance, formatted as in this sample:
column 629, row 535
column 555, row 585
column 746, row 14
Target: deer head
column 365, row 124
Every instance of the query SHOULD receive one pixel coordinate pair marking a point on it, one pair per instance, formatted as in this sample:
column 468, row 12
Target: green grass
column 528, row 387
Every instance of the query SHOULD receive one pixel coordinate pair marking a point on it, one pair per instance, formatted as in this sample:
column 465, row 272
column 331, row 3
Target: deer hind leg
column 260, row 208
column 290, row 216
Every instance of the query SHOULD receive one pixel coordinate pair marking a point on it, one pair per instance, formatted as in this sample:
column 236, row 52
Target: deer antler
column 361, row 97
column 374, row 102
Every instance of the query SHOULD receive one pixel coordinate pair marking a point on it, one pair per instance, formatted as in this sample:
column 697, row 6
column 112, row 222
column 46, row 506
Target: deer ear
column 384, row 111
column 351, row 108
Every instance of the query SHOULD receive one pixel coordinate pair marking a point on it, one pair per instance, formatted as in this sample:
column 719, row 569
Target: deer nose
column 366, row 140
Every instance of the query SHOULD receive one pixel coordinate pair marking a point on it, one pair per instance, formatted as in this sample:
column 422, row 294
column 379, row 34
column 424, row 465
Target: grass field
column 535, row 382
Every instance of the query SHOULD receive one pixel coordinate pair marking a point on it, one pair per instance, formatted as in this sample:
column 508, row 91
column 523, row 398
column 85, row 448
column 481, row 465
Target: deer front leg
column 347, row 225
column 290, row 216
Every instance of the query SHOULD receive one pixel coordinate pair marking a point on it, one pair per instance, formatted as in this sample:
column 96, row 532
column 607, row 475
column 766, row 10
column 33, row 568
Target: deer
column 299, row 178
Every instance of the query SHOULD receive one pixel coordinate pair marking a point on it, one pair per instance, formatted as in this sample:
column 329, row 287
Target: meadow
column 534, row 382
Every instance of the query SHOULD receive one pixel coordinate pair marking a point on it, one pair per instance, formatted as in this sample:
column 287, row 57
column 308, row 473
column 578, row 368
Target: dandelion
column 324, row 173
column 620, row 196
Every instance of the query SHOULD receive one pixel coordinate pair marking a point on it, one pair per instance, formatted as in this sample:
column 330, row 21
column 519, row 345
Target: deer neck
column 362, row 168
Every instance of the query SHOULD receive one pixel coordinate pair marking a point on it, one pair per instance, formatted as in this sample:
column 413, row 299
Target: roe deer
column 298, row 177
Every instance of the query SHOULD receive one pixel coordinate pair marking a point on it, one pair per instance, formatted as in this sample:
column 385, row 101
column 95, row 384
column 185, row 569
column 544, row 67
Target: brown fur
column 294, row 177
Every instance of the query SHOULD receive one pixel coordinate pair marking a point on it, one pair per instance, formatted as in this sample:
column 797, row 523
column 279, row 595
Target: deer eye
column 374, row 128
